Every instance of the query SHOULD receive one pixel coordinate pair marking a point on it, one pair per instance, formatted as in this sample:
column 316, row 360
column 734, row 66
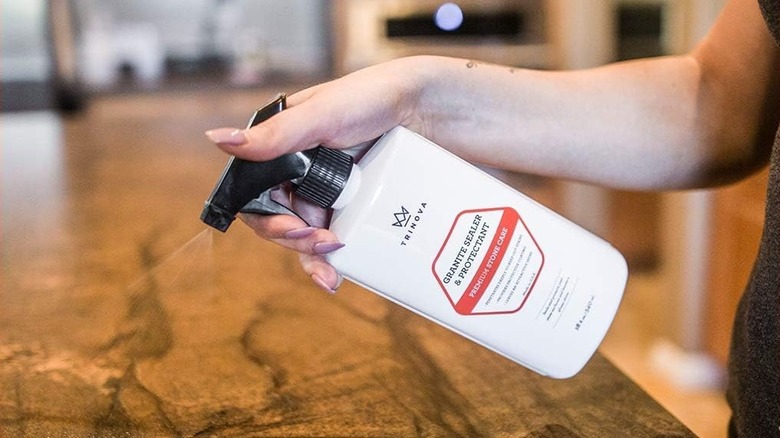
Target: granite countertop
column 121, row 316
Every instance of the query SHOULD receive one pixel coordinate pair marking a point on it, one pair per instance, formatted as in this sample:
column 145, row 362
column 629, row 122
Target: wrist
column 419, row 76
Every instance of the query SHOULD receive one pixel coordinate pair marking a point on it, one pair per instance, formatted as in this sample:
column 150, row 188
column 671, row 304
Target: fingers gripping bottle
column 436, row 235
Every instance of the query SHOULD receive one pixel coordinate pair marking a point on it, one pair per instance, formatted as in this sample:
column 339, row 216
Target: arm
column 662, row 123
column 675, row 122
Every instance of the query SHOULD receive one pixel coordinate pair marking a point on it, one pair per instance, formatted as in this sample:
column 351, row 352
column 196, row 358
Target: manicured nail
column 321, row 283
column 299, row 233
column 227, row 136
column 326, row 247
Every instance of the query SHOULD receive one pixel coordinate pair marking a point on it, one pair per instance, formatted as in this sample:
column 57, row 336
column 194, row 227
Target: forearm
column 642, row 125
column 619, row 125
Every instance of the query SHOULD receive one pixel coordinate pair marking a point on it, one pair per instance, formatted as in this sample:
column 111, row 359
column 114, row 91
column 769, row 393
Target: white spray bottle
column 442, row 238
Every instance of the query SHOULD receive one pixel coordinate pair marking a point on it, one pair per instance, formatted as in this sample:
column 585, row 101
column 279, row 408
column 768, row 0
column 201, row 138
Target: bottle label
column 489, row 262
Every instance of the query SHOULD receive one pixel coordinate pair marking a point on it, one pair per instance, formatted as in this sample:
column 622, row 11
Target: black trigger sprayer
column 318, row 175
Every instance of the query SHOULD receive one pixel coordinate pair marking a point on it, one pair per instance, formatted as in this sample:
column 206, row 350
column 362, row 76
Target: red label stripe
column 487, row 269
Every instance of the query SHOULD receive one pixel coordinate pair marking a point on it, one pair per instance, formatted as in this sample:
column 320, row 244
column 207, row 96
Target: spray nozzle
column 318, row 174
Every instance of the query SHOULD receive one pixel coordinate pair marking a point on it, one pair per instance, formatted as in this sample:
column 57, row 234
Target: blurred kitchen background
column 66, row 63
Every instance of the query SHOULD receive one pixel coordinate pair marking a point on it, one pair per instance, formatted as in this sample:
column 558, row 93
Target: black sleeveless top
column 754, row 363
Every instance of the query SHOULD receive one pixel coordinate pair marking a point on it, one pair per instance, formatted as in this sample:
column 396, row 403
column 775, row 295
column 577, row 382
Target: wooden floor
column 162, row 222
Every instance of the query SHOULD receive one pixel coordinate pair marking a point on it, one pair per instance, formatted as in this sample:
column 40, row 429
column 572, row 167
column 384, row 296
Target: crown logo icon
column 402, row 217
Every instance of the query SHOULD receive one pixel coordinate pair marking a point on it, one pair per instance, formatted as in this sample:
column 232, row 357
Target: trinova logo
column 408, row 221
column 402, row 217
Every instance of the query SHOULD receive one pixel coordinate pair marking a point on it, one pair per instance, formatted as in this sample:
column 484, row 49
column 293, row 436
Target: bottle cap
column 327, row 176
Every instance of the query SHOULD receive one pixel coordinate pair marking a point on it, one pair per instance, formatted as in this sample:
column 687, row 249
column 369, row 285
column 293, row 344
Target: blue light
column 448, row 17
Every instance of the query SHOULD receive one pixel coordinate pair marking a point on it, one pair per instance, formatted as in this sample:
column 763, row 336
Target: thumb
column 284, row 133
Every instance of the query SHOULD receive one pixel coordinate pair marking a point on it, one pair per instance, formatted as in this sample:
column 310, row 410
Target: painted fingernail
column 299, row 233
column 321, row 283
column 326, row 247
column 227, row 136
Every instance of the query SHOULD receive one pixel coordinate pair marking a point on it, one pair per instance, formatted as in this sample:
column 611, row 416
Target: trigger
column 263, row 204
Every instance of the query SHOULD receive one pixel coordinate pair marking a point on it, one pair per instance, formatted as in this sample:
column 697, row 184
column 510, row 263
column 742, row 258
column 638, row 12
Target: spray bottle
column 440, row 237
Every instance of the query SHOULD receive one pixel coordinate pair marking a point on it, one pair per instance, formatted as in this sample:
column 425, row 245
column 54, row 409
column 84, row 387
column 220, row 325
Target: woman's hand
column 352, row 110
column 307, row 235
column 339, row 114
